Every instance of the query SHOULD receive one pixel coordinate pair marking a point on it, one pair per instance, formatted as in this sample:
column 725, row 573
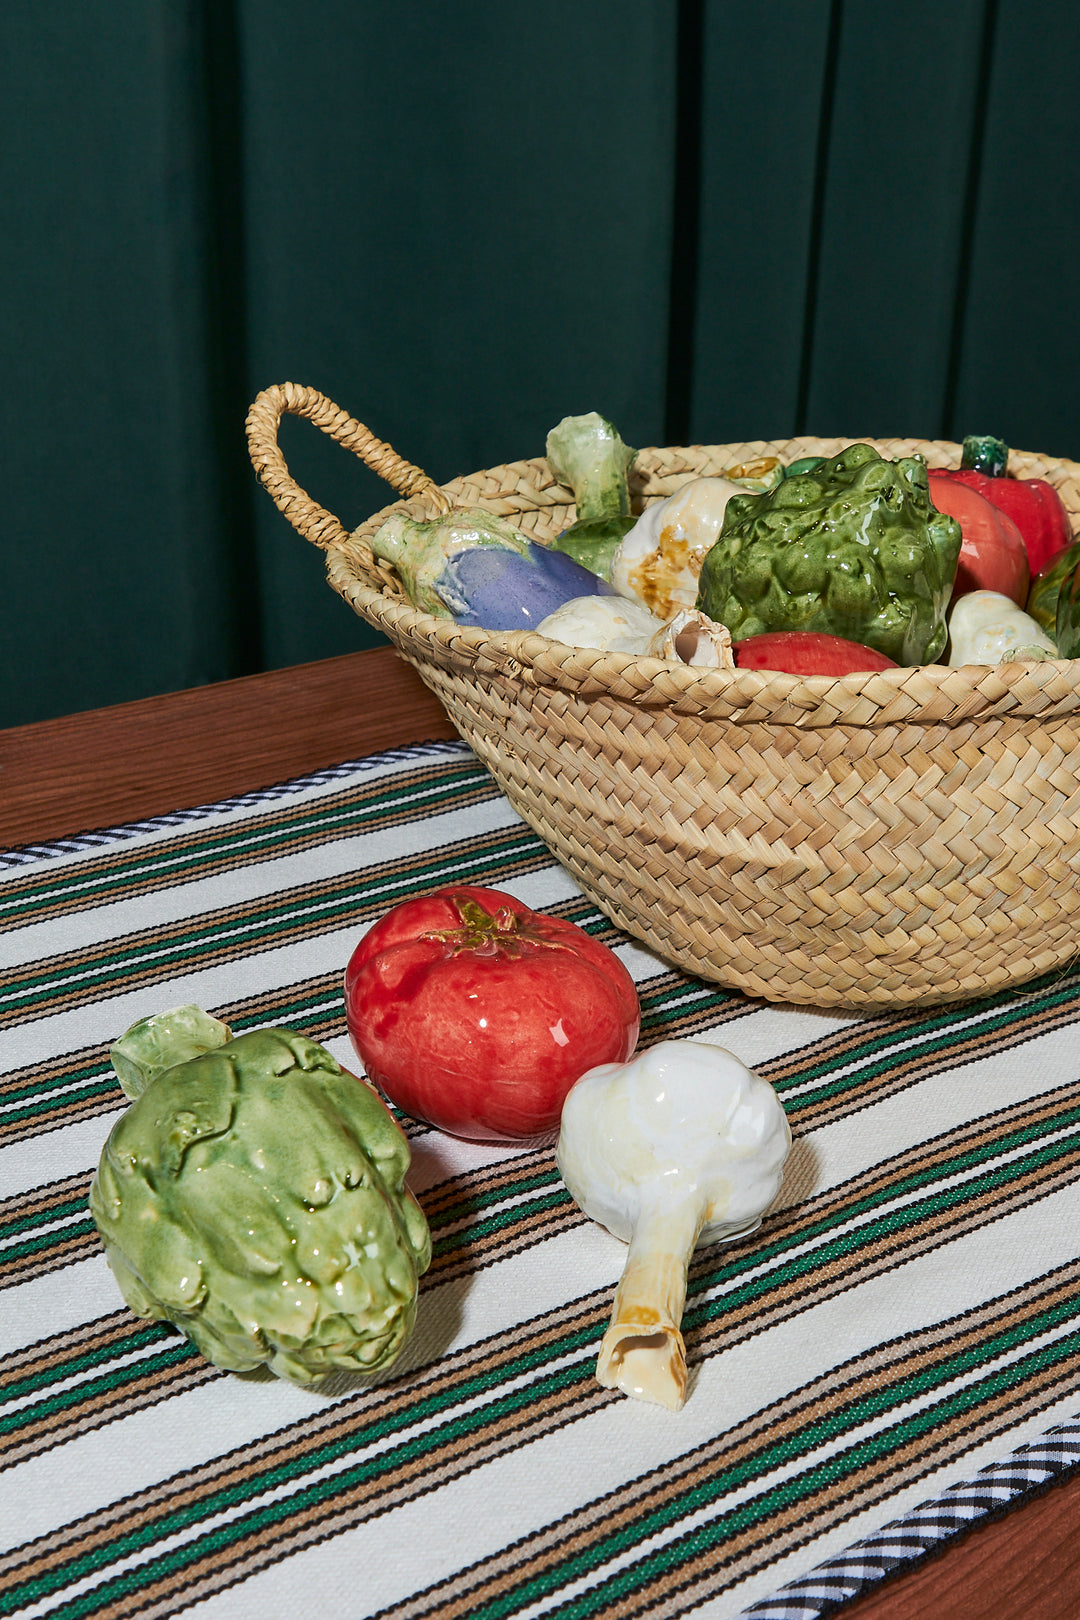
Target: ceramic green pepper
column 854, row 548
column 254, row 1196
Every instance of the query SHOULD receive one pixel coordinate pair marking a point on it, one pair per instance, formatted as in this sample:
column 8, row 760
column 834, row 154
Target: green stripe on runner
column 190, row 855
column 769, row 1456
column 173, row 1352
column 262, row 925
column 178, row 1519
column 715, row 1532
column 846, row 1246
column 930, row 1039
column 548, row 1194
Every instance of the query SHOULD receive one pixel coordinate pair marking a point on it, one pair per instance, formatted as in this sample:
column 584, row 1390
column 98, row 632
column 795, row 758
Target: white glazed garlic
column 658, row 561
column 682, row 1145
column 619, row 624
column 691, row 637
column 986, row 627
column 612, row 623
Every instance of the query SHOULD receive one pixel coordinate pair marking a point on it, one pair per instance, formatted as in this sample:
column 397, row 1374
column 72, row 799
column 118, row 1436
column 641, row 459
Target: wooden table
column 163, row 753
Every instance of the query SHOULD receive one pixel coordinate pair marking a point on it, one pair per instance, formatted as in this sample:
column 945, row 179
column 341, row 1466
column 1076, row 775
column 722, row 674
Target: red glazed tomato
column 807, row 652
column 993, row 556
column 475, row 1014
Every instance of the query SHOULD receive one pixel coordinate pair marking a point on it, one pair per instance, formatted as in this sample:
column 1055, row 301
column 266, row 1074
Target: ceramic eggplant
column 476, row 568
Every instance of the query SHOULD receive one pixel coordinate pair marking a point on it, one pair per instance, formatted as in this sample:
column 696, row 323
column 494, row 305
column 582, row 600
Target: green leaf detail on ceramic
column 588, row 455
column 419, row 548
column 255, row 1197
column 854, row 548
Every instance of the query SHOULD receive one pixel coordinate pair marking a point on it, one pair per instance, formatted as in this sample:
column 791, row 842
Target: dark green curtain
column 712, row 221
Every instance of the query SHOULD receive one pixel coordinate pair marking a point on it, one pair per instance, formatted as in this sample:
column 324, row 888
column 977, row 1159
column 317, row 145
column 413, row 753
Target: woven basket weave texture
column 875, row 841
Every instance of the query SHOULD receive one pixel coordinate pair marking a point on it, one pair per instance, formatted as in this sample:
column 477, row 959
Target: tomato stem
column 486, row 933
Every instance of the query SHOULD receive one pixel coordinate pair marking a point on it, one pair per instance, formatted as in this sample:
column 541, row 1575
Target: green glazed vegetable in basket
column 854, row 548
column 882, row 840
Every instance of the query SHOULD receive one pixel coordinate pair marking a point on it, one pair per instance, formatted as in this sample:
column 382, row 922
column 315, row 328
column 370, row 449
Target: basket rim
column 922, row 694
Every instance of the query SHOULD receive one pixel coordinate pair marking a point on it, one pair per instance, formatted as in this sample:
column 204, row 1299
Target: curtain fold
column 463, row 223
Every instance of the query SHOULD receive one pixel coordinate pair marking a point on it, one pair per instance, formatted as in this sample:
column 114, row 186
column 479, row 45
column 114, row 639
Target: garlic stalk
column 683, row 1145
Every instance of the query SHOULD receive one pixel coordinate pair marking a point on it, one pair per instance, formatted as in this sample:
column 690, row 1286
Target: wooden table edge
column 109, row 766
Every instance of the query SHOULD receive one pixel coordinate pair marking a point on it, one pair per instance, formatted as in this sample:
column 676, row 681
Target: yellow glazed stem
column 642, row 1352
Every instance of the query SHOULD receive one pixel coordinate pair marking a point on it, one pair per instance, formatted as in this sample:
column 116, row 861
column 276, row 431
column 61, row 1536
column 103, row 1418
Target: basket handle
column 322, row 528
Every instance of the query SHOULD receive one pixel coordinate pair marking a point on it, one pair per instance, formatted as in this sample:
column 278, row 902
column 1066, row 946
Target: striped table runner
column 893, row 1353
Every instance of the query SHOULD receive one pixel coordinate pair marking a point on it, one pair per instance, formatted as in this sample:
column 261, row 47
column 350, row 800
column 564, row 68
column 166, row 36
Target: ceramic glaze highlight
column 255, row 1197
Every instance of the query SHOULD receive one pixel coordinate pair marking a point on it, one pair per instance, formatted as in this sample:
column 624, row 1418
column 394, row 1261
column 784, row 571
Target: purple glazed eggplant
column 477, row 569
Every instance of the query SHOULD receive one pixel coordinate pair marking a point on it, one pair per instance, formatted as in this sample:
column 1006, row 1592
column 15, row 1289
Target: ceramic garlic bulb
column 659, row 560
column 986, row 627
column 682, row 1145
column 619, row 624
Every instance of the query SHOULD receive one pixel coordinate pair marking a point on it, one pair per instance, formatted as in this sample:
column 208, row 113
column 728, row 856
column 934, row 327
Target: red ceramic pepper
column 1033, row 503
column 993, row 556
column 477, row 1015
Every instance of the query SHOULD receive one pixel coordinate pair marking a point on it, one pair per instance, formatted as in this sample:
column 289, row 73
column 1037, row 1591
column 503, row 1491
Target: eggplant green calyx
column 855, row 548
column 420, row 548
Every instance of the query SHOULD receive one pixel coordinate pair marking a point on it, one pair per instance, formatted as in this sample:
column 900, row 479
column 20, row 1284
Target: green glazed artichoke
column 854, row 548
column 254, row 1196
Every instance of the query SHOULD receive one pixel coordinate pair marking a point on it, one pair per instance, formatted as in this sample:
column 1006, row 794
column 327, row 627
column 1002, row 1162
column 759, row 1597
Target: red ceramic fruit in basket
column 993, row 556
column 1033, row 503
column 807, row 652
column 475, row 1014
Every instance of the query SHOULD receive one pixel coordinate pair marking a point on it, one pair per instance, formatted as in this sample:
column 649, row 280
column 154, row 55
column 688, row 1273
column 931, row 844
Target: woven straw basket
column 876, row 841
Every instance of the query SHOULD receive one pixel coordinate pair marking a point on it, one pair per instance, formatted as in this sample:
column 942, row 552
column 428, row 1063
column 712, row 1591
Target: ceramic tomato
column 993, row 556
column 477, row 1015
column 807, row 652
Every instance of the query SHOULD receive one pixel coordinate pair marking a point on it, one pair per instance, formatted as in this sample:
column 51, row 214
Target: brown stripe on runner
column 69, row 898
column 301, row 918
column 397, row 1396
column 724, row 1564
column 143, row 1390
column 450, row 1202
column 711, row 1569
column 87, row 1101
column 443, row 1200
column 738, row 1321
column 597, row 1521
column 590, row 1312
column 910, row 1065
